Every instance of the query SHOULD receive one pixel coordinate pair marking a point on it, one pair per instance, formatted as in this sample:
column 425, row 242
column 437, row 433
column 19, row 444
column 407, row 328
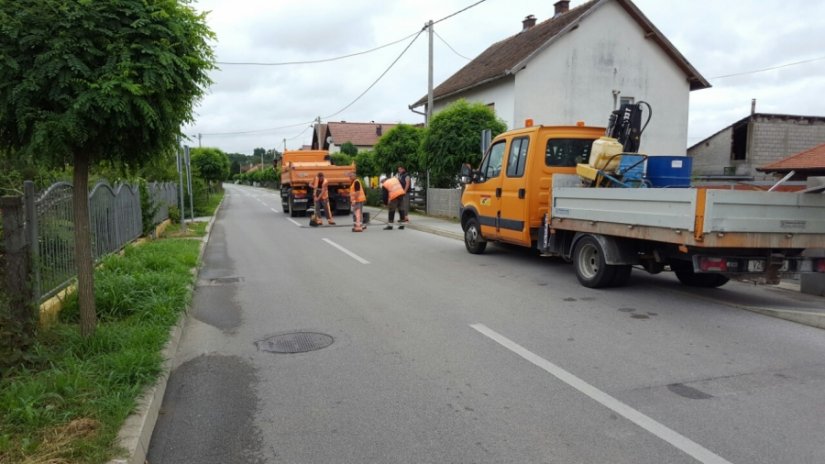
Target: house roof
column 811, row 159
column 510, row 55
column 362, row 134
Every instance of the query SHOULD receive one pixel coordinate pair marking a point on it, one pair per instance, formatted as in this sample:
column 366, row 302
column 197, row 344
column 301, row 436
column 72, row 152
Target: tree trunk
column 83, row 246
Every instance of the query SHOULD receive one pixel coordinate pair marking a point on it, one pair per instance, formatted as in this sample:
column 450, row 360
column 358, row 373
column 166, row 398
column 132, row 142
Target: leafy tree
column 234, row 168
column 84, row 81
column 258, row 153
column 211, row 164
column 349, row 149
column 400, row 145
column 340, row 159
column 454, row 138
column 365, row 164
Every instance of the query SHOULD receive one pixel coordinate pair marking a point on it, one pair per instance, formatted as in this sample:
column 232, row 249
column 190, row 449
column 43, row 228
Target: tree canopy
column 400, row 145
column 211, row 163
column 83, row 81
column 454, row 138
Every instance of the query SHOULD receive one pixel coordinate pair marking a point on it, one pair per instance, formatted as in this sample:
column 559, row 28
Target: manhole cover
column 297, row 342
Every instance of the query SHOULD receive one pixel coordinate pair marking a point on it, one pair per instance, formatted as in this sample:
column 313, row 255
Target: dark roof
column 812, row 159
column 511, row 55
column 361, row 134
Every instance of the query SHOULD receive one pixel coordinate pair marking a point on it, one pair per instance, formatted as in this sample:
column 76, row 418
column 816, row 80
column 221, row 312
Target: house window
column 518, row 157
column 739, row 143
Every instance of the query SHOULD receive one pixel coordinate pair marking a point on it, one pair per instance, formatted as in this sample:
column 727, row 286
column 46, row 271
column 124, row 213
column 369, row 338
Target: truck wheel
column 684, row 272
column 291, row 205
column 472, row 237
column 285, row 206
column 692, row 279
column 591, row 270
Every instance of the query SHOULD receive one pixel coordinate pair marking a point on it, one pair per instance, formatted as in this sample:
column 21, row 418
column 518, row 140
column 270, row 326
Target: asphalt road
column 439, row 356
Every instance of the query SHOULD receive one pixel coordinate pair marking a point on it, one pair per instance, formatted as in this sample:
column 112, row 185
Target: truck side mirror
column 465, row 176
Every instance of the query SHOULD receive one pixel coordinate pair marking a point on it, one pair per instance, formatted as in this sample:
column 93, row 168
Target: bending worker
column 320, row 189
column 392, row 194
column 357, row 198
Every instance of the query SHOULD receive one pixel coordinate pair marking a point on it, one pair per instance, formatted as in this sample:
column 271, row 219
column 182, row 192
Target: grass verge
column 68, row 405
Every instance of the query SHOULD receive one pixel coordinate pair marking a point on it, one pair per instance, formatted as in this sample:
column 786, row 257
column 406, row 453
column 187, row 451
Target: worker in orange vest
column 357, row 198
column 392, row 195
column 320, row 189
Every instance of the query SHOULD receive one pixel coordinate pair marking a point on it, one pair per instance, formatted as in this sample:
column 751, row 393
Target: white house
column 580, row 65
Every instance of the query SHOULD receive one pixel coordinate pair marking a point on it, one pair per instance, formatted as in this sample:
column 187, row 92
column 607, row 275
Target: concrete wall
column 574, row 78
column 775, row 138
column 443, row 202
column 713, row 155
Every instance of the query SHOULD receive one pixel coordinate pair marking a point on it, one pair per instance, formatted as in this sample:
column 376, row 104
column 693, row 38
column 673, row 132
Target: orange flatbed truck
column 528, row 191
column 298, row 170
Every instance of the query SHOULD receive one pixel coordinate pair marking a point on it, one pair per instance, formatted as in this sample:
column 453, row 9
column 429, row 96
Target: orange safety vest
column 324, row 189
column 356, row 196
column 394, row 187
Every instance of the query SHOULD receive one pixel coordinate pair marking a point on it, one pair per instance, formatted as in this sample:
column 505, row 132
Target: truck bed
column 700, row 217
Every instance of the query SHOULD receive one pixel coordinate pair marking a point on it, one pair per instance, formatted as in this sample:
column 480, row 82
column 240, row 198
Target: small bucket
column 365, row 217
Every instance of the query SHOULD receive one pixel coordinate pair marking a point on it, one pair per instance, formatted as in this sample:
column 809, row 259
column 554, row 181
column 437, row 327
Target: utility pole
column 284, row 144
column 199, row 139
column 429, row 77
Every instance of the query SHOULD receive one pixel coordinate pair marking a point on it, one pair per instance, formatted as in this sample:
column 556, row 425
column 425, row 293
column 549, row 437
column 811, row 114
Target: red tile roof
column 361, row 134
column 811, row 159
column 510, row 55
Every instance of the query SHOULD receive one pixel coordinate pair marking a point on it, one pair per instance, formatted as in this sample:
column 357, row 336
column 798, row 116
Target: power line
column 770, row 68
column 379, row 77
column 323, row 60
column 416, row 35
column 450, row 46
column 327, row 60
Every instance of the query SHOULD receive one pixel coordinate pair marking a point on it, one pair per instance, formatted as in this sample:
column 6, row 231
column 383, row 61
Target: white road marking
column 273, row 210
column 351, row 254
column 294, row 222
column 676, row 439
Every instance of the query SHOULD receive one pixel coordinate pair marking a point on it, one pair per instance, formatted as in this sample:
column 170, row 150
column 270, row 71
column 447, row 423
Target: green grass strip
column 69, row 404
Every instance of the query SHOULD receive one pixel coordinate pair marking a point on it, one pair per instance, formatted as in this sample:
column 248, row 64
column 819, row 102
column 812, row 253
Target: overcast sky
column 260, row 106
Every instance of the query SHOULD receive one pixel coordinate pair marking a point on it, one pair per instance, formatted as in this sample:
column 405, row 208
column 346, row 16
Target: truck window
column 567, row 152
column 518, row 157
column 491, row 166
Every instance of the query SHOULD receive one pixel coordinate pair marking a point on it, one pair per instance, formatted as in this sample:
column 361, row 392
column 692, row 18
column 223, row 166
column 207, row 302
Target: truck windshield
column 567, row 152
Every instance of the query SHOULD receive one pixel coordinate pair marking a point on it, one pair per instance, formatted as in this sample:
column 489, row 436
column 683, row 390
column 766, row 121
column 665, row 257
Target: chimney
column 379, row 130
column 562, row 6
column 753, row 106
column 528, row 22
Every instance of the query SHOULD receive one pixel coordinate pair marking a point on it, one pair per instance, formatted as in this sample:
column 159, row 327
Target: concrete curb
column 136, row 431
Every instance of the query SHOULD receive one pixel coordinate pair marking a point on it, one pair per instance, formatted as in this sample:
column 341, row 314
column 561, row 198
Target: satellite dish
column 329, row 139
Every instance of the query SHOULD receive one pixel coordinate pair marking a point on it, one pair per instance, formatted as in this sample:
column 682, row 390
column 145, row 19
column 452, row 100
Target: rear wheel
column 591, row 269
column 473, row 240
column 684, row 272
column 291, row 206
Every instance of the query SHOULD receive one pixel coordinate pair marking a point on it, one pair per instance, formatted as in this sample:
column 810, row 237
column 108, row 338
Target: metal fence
column 115, row 219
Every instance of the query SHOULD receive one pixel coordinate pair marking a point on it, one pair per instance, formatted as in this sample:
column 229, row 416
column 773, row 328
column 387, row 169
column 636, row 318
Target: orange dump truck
column 298, row 171
column 532, row 189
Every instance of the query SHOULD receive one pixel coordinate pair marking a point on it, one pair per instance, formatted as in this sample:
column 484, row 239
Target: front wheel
column 473, row 240
column 591, row 268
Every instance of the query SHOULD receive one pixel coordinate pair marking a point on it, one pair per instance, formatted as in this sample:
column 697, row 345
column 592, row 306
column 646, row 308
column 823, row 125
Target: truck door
column 513, row 218
column 488, row 189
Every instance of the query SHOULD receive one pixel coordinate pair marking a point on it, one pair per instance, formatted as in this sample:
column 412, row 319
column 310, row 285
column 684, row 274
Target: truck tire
column 591, row 269
column 291, row 206
column 285, row 206
column 684, row 272
column 473, row 240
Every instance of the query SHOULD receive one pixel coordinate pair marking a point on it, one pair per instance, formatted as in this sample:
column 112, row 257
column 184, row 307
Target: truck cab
column 506, row 198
